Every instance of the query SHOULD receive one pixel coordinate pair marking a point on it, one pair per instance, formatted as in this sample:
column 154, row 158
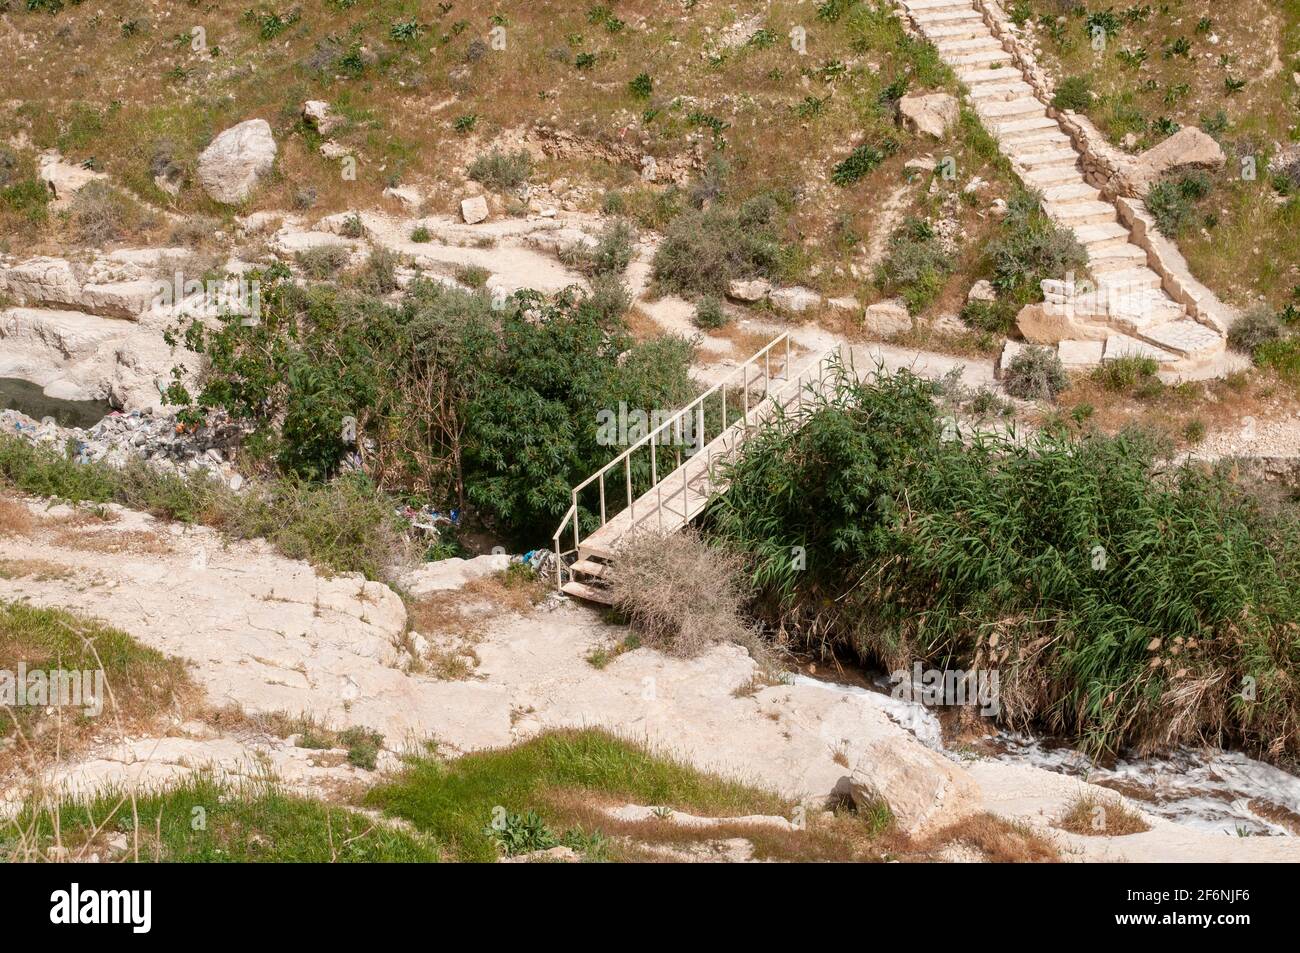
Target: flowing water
column 1209, row 789
column 28, row 398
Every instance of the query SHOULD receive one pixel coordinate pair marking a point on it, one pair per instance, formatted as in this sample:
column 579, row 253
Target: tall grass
column 1122, row 604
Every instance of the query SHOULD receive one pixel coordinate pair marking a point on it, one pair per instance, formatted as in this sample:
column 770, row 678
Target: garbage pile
column 161, row 440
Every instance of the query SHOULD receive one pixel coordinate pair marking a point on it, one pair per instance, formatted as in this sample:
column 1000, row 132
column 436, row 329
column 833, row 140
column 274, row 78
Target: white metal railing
column 676, row 423
column 751, row 414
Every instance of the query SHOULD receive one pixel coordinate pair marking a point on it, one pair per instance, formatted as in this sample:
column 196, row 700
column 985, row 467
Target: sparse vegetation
column 500, row 170
column 703, row 251
column 1036, row 374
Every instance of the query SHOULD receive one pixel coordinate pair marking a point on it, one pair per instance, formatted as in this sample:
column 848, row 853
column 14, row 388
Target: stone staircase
column 1127, row 310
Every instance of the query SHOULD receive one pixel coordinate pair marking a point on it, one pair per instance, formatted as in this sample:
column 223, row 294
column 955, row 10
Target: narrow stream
column 1209, row 789
column 28, row 398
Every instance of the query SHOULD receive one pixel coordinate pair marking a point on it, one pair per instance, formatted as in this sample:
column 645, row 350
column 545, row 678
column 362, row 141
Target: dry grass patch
column 135, row 686
column 452, row 621
column 1092, row 815
column 111, row 542
column 38, row 570
column 15, row 519
column 680, row 595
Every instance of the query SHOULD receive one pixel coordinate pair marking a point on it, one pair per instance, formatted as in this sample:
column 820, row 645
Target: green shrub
column 1036, row 373
column 915, row 265
column 1254, row 328
column 1126, row 374
column 1073, row 93
column 324, row 261
column 500, row 170
column 29, row 198
column 992, row 317
column 641, row 86
column 704, row 250
column 709, row 313
column 1123, row 601
column 862, row 161
column 420, row 235
column 1172, row 201
column 1030, row 247
column 609, row 298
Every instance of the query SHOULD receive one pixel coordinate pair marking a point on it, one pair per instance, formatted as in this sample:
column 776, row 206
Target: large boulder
column 474, row 209
column 887, row 318
column 795, row 299
column 929, row 114
column 230, row 168
column 1045, row 323
column 748, row 290
column 1188, row 148
column 924, row 791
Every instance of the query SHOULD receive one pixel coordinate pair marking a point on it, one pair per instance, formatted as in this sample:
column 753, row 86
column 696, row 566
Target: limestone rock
column 1049, row 324
column 1188, row 148
column 64, row 179
column 452, row 573
column 982, row 290
column 751, row 290
column 887, row 318
column 930, row 114
column 320, row 117
column 923, row 789
column 795, row 299
column 474, row 209
column 409, row 197
column 42, row 281
column 230, row 167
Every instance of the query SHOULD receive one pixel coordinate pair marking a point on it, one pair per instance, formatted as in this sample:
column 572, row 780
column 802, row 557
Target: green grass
column 142, row 681
column 203, row 821
column 341, row 526
column 456, row 802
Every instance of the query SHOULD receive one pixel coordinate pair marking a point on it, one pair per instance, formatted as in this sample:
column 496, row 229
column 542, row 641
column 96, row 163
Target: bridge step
column 590, row 593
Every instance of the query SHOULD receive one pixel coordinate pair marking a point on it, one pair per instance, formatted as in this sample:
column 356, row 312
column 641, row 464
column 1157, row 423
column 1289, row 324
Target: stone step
column 915, row 5
column 1017, row 89
column 1080, row 354
column 1081, row 212
column 1041, row 140
column 947, row 47
column 1011, row 109
column 1008, row 131
column 1102, row 236
column 1048, row 157
column 970, row 28
column 947, row 16
column 1146, row 309
column 1186, row 337
column 974, row 77
column 1128, row 280
column 1071, row 193
column 63, row 336
column 979, row 58
column 1053, row 175
column 1119, row 258
column 1121, row 345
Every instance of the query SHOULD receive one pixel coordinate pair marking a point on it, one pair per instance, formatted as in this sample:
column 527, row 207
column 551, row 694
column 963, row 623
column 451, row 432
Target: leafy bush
column 862, row 161
column 1036, row 373
column 609, row 298
column 420, row 235
column 440, row 387
column 1030, row 247
column 324, row 261
column 1254, row 328
column 709, row 313
column 641, row 86
column 1121, row 602
column 704, row 250
column 679, row 594
column 1073, row 93
column 611, row 254
column 500, row 170
column 1172, row 201
column 915, row 264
